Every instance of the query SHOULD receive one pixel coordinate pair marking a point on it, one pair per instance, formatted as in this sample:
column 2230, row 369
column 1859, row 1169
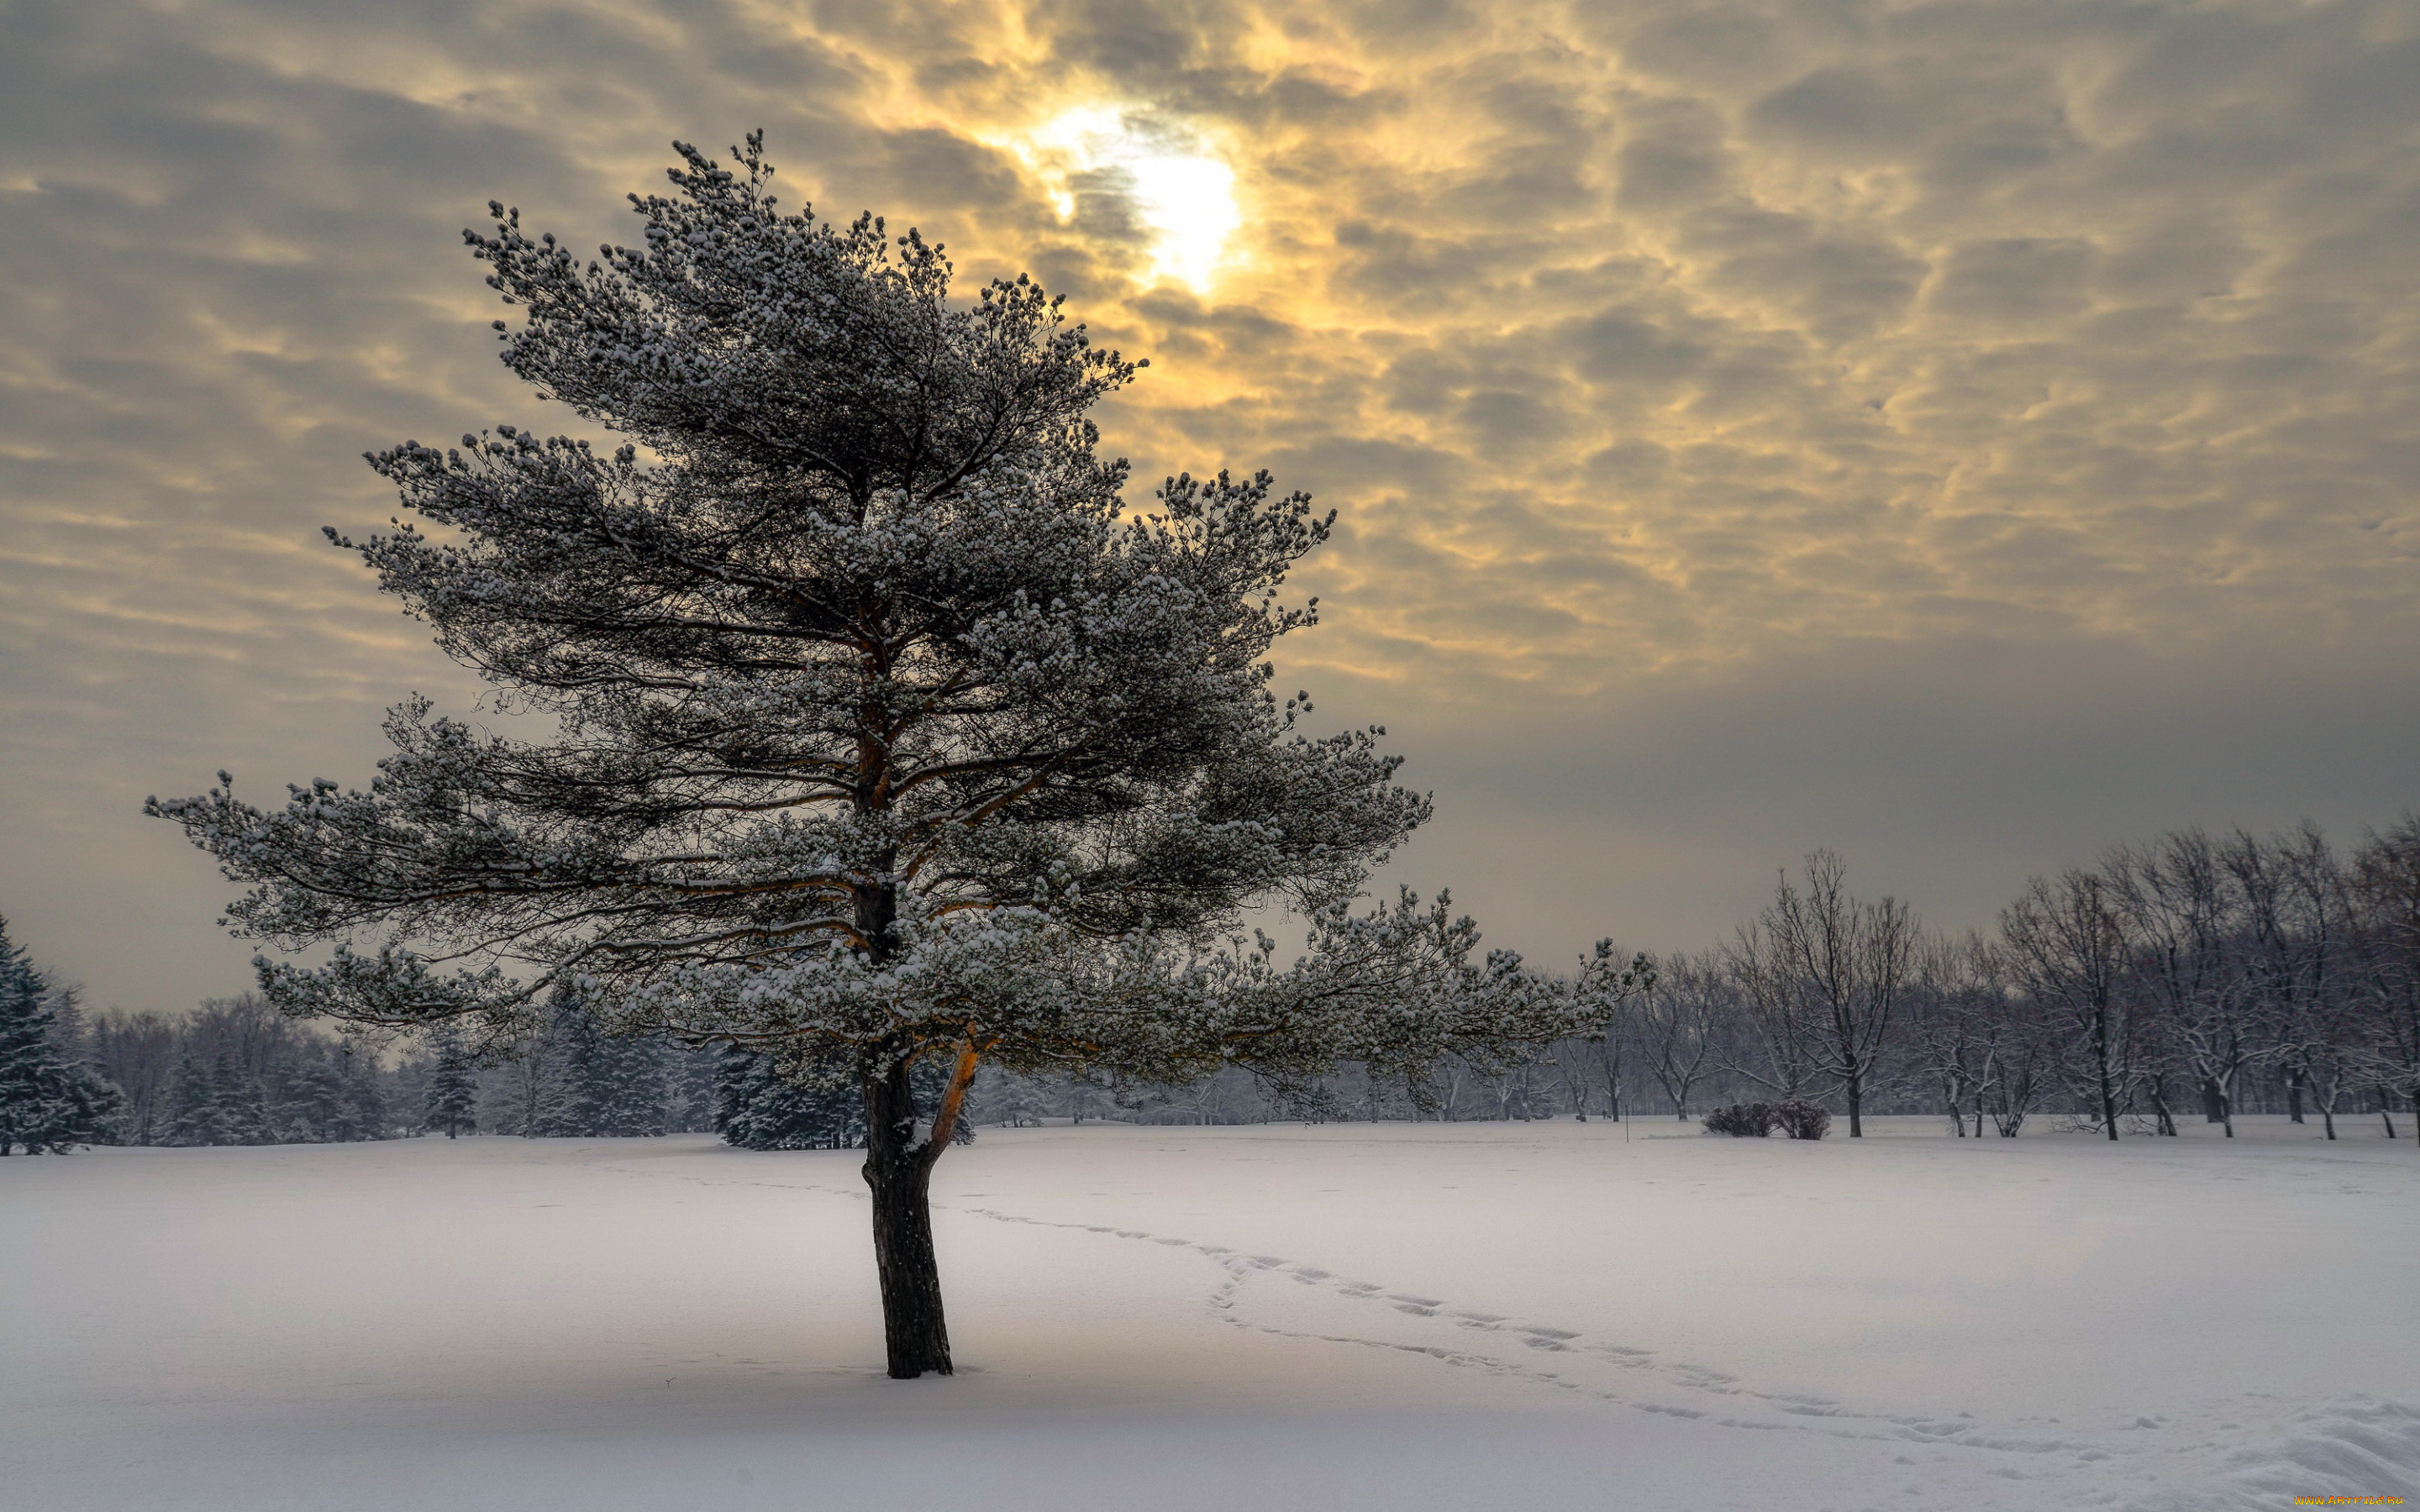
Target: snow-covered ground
column 1400, row 1317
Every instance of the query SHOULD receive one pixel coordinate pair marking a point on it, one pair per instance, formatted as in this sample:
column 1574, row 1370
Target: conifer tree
column 881, row 733
column 453, row 1089
column 757, row 1108
column 48, row 1103
column 361, row 1114
column 613, row 1086
column 689, row 1088
column 194, row 1110
column 240, row 1112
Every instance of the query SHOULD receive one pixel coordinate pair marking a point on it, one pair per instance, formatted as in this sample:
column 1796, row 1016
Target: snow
column 1342, row 1316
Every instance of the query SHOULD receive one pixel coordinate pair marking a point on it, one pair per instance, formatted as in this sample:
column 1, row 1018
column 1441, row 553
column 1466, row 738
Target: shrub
column 1802, row 1119
column 1744, row 1121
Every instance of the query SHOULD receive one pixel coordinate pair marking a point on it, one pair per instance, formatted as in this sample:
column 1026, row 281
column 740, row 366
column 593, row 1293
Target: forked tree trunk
column 899, row 1170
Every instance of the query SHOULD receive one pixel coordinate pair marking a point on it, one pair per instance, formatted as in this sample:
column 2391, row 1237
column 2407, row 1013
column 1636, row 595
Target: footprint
column 1786, row 1412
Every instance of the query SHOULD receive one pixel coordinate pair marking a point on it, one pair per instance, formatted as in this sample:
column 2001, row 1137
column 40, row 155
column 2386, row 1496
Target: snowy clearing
column 1346, row 1317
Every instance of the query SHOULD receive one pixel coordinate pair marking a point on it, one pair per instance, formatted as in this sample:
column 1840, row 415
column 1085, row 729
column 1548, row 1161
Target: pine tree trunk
column 914, row 1334
column 899, row 1169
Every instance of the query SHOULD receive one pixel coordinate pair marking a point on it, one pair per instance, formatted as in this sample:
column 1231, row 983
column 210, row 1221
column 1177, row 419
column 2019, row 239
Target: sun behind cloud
column 1179, row 193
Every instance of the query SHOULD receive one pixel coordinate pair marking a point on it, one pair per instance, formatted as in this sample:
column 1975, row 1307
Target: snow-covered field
column 1349, row 1316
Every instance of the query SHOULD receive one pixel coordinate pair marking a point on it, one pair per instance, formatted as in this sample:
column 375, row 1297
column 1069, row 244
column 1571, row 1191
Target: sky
column 1961, row 434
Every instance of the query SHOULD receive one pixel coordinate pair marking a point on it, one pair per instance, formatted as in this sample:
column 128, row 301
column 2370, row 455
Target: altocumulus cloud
column 1958, row 433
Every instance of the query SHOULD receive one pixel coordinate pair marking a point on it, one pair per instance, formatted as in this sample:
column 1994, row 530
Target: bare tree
column 1980, row 1039
column 2068, row 944
column 138, row 1051
column 1825, row 972
column 1682, row 1019
column 2296, row 908
column 2386, row 923
column 2183, row 899
column 1769, row 1040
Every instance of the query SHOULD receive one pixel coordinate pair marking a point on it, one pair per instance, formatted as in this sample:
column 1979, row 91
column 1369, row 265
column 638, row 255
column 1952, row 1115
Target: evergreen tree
column 310, row 1101
column 362, row 1113
column 48, row 1101
column 882, row 733
column 689, row 1086
column 757, row 1108
column 242, row 1112
column 453, row 1089
column 613, row 1086
column 193, row 1112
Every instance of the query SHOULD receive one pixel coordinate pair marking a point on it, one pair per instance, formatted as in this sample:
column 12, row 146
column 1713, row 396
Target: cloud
column 1662, row 358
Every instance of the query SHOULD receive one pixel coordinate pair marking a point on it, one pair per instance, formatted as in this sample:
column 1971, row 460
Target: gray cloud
column 1756, row 425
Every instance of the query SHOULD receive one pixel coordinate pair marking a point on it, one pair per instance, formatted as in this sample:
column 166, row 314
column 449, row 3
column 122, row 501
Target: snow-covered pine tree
column 759, row 1106
column 689, row 1088
column 361, row 1114
column 192, row 1104
column 453, row 1087
column 880, row 732
column 611, row 1087
column 759, row 1109
column 242, row 1112
column 50, row 1101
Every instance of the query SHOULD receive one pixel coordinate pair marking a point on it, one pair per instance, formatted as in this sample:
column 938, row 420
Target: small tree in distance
column 453, row 1091
column 885, row 736
column 49, row 1104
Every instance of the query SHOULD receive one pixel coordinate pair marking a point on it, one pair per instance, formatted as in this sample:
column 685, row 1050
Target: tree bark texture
column 899, row 1171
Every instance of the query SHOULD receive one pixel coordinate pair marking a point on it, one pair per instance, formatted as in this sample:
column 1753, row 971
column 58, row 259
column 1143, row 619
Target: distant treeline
column 234, row 1072
column 2189, row 976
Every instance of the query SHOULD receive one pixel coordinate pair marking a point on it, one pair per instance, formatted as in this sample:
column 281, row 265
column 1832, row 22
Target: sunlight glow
column 1181, row 194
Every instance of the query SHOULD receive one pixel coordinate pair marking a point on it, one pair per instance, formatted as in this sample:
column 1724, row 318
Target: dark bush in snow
column 1744, row 1121
column 1802, row 1119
